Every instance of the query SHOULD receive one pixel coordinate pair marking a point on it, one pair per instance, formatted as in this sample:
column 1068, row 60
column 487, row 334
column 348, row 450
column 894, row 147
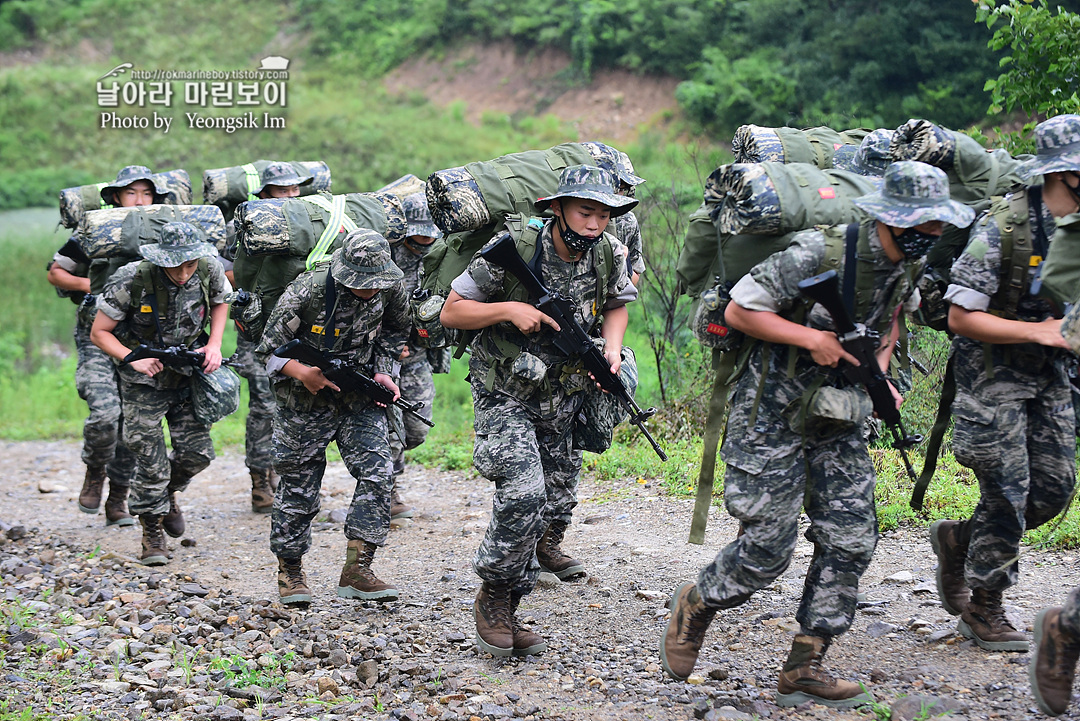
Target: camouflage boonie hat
column 1057, row 143
column 363, row 262
column 419, row 217
column 914, row 193
column 589, row 183
column 126, row 177
column 843, row 158
column 283, row 175
column 626, row 171
column 872, row 155
column 180, row 242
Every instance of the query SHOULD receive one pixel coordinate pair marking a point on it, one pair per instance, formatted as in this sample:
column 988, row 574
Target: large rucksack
column 757, row 144
column 76, row 202
column 280, row 238
column 229, row 187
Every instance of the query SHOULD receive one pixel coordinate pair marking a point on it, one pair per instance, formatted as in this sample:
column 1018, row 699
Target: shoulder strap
column 851, row 239
column 251, row 176
column 330, row 307
column 335, row 223
column 144, row 278
column 1016, row 252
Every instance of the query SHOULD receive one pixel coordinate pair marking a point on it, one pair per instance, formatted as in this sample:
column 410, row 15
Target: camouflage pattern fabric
column 1070, row 611
column 589, row 182
column 755, row 144
column 628, row 232
column 923, row 141
column 227, row 187
column 455, row 200
column 178, row 243
column 120, row 231
column 816, row 146
column 914, row 193
column 300, row 441
column 363, row 262
column 786, row 459
column 259, row 426
column 144, row 409
column 601, row 412
column 1056, row 141
column 97, row 383
column 282, row 175
column 174, row 187
column 1015, row 428
column 416, row 382
column 404, row 186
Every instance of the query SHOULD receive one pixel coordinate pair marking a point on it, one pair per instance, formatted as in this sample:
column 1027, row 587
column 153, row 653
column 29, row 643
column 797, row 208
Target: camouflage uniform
column 97, row 383
column 370, row 334
column 627, row 229
column 524, row 405
column 147, row 400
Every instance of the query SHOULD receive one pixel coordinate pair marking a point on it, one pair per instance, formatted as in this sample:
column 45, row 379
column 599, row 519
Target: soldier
column 355, row 308
column 1014, row 423
column 800, row 445
column 96, row 379
column 526, row 394
column 627, row 229
column 416, row 382
column 279, row 180
column 164, row 300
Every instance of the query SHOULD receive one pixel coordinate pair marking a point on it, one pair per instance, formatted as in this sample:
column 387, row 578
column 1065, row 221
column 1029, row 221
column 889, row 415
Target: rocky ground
column 87, row 633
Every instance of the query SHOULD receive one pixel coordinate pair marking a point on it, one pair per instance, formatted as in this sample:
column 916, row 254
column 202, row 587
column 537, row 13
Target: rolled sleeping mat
column 228, row 187
column 118, row 232
column 75, row 202
column 757, row 144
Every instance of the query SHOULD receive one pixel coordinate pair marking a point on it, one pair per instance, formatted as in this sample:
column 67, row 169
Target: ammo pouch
column 428, row 330
column 527, row 375
column 709, row 326
column 595, row 423
column 214, row 395
column 245, row 310
column 839, row 407
column 933, row 311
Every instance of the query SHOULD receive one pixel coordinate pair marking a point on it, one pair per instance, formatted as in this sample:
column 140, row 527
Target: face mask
column 913, row 243
column 1074, row 190
column 418, row 248
column 575, row 241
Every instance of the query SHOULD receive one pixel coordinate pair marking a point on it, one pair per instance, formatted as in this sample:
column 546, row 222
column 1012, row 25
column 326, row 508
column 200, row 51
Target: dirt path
column 602, row 632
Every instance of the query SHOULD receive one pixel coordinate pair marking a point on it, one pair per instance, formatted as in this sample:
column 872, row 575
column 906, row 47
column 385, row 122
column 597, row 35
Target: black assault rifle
column 348, row 378
column 861, row 343
column 175, row 356
column 571, row 339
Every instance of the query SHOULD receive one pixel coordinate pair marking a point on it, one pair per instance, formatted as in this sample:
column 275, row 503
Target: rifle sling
column 851, row 242
column 937, row 435
column 711, row 442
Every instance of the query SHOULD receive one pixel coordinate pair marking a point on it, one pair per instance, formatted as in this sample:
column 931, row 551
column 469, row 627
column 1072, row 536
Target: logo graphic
column 274, row 62
column 118, row 71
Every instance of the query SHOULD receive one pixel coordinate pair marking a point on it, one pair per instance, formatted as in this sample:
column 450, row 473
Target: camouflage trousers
column 144, row 408
column 417, row 386
column 1070, row 611
column 258, row 435
column 777, row 464
column 1017, row 433
column 300, row 441
column 531, row 460
column 98, row 384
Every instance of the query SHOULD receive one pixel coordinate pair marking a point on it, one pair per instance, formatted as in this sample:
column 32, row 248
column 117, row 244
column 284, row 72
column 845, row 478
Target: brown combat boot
column 262, row 495
column 952, row 588
column 116, row 506
column 551, row 556
column 358, row 580
column 685, row 632
column 984, row 621
column 173, row 522
column 803, row 679
column 90, row 495
column 398, row 507
column 155, row 552
column 292, row 582
column 494, row 632
column 526, row 642
column 1054, row 667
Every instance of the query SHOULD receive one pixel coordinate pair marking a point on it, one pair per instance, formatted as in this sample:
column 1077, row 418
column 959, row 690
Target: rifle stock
column 347, row 378
column 824, row 289
column 571, row 339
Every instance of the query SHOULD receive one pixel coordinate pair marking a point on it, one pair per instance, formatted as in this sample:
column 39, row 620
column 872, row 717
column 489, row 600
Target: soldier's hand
column 212, row 358
column 1048, row 333
column 528, row 319
column 614, row 359
column 827, row 351
column 148, row 366
column 314, row 380
column 385, row 380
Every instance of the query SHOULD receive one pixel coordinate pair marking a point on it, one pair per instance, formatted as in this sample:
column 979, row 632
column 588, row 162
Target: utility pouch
column 709, row 326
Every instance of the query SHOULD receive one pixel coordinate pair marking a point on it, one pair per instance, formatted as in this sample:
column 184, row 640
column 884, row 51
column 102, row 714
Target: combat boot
column 155, row 552
column 685, row 633
column 491, row 611
column 1054, row 667
column 90, row 495
column 358, row 580
column 526, row 642
column 984, row 621
column 803, row 679
column 292, row 582
column 398, row 507
column 262, row 495
column 951, row 586
column 173, row 522
column 551, row 556
column 115, row 506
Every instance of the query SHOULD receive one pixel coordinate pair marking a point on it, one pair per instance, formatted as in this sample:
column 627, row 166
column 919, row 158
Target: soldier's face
column 585, row 217
column 180, row 274
column 364, row 293
column 281, row 191
column 1059, row 201
column 141, row 192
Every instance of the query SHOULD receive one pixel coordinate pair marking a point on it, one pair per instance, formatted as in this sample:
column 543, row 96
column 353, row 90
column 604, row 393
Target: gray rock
column 879, row 628
column 338, row 658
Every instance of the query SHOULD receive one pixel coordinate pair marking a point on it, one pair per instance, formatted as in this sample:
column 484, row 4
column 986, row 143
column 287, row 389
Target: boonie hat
column 419, row 216
column 363, row 262
column 914, row 193
column 872, row 155
column 126, row 177
column 1057, row 143
column 180, row 242
column 282, row 174
column 589, row 183
column 626, row 171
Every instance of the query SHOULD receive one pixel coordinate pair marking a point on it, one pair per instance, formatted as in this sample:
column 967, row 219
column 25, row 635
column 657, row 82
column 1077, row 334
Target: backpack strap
column 851, row 240
column 1016, row 253
column 335, row 224
column 251, row 176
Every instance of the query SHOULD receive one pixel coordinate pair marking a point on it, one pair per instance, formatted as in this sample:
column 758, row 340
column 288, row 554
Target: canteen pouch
column 214, row 395
column 709, row 326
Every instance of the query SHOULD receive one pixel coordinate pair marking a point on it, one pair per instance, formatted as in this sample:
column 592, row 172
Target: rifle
column 348, row 378
column 571, row 340
column 861, row 343
column 175, row 356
